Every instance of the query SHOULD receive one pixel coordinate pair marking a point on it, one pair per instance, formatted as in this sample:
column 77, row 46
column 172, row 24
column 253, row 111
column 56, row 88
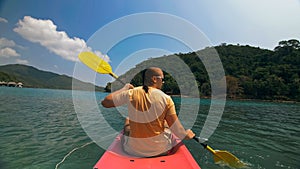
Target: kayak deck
column 116, row 158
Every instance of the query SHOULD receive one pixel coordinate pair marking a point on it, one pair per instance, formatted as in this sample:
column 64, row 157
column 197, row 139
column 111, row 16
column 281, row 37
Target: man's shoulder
column 138, row 89
column 158, row 92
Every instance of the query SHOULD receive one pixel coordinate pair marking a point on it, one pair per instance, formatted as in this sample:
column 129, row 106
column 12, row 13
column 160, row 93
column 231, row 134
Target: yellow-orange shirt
column 147, row 112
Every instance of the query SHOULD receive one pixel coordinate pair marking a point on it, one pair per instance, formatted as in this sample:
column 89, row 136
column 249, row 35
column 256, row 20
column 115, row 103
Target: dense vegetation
column 32, row 77
column 251, row 72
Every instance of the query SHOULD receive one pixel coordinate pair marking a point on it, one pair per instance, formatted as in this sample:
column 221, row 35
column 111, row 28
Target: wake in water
column 72, row 151
column 225, row 165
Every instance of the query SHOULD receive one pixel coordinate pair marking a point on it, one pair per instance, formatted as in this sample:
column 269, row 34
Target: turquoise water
column 39, row 127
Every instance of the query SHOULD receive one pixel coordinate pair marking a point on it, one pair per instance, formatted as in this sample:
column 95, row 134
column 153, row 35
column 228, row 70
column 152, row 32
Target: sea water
column 40, row 130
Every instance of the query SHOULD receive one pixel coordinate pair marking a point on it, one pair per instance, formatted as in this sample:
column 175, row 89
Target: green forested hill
column 32, row 77
column 251, row 72
column 256, row 73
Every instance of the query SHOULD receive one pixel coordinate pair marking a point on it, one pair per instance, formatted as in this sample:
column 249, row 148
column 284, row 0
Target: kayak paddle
column 97, row 64
column 221, row 156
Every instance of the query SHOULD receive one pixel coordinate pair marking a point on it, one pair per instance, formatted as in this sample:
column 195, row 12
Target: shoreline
column 178, row 95
column 261, row 100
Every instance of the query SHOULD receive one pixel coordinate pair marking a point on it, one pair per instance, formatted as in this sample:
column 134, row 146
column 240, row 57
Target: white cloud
column 6, row 48
column 45, row 33
column 3, row 20
column 6, row 43
column 8, row 52
column 23, row 62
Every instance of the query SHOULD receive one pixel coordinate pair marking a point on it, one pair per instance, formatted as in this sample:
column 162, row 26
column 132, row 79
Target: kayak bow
column 115, row 158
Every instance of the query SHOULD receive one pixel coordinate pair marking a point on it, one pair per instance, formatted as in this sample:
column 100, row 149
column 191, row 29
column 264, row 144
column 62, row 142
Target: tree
column 108, row 87
column 247, row 87
column 233, row 88
column 205, row 90
column 292, row 43
column 6, row 77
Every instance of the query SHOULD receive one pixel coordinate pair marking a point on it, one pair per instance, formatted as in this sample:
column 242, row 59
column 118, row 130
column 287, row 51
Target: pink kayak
column 116, row 158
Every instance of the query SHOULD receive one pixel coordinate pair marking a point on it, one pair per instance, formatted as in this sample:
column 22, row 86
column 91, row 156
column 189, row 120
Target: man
column 148, row 109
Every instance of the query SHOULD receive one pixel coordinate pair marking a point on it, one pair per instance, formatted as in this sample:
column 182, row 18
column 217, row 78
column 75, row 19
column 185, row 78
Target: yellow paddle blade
column 96, row 63
column 228, row 158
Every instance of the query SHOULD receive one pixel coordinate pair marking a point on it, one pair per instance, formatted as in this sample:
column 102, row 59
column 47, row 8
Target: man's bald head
column 149, row 73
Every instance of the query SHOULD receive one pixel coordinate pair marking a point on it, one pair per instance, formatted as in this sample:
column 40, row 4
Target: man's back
column 147, row 112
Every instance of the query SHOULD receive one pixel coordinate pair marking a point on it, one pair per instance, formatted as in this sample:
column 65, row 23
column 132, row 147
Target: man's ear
column 154, row 79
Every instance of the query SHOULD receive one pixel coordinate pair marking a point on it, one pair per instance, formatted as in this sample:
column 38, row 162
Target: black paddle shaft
column 198, row 140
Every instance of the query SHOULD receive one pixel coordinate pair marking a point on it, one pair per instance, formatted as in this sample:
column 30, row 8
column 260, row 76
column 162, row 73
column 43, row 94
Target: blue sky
column 49, row 34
